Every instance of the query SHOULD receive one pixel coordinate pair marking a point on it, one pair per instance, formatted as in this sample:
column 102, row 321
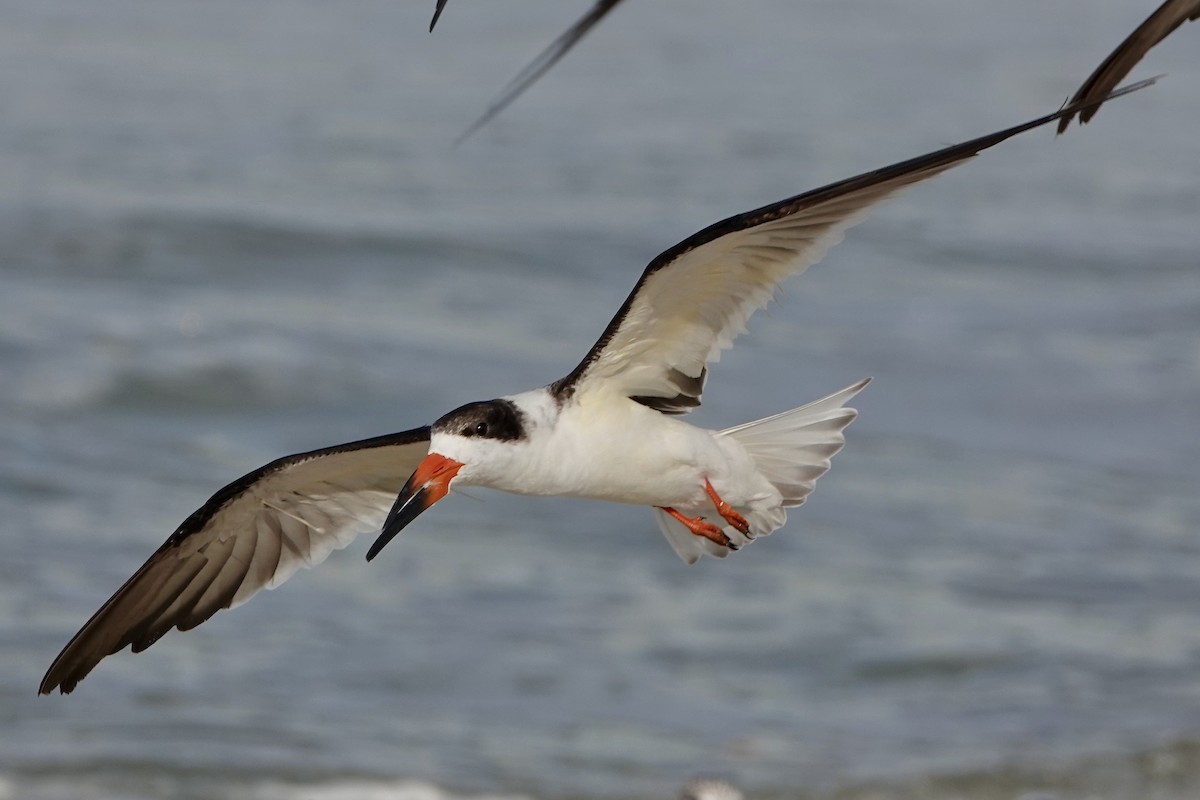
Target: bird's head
column 466, row 446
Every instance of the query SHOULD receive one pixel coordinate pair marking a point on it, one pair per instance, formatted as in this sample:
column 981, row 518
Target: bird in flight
column 1158, row 26
column 541, row 64
column 610, row 429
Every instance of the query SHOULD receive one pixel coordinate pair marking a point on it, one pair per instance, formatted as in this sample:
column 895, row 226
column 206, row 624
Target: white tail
column 791, row 450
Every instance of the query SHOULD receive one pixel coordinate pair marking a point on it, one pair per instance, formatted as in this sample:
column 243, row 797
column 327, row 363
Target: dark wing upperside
column 437, row 12
column 252, row 534
column 544, row 61
column 693, row 300
column 1158, row 26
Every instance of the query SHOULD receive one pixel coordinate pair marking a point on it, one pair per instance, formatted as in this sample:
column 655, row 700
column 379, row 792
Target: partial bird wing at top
column 540, row 65
column 437, row 12
column 1158, row 26
column 693, row 300
column 251, row 535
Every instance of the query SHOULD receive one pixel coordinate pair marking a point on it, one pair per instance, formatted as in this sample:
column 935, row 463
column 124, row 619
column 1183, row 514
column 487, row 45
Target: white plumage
column 607, row 430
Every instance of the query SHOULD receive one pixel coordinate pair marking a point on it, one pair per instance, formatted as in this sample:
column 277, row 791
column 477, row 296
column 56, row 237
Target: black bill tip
column 408, row 506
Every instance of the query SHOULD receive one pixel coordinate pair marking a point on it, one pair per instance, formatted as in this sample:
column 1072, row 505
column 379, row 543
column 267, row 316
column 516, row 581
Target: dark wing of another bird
column 544, row 61
column 437, row 12
column 1169, row 16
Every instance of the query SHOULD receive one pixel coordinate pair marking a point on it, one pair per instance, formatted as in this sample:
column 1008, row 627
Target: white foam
column 362, row 789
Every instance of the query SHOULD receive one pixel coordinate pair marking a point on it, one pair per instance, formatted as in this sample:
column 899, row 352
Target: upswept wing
column 1158, row 26
column 693, row 300
column 251, row 535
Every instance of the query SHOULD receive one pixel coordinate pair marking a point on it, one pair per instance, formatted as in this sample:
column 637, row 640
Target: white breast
column 612, row 448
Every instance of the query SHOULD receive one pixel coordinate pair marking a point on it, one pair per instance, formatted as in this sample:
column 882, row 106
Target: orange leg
column 725, row 510
column 700, row 527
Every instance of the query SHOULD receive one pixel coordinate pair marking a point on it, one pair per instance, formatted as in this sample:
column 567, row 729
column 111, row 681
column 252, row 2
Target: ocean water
column 231, row 231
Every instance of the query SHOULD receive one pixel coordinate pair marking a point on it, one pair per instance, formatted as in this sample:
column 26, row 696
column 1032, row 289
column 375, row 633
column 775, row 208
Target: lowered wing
column 253, row 534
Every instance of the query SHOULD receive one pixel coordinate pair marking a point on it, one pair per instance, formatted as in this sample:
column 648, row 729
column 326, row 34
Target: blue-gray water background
column 233, row 230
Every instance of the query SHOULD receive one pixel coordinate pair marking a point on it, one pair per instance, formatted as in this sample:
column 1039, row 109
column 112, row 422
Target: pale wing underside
column 251, row 535
column 687, row 311
column 693, row 300
column 1158, row 26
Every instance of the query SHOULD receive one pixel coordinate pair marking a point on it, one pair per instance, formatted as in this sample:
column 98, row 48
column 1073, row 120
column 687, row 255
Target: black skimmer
column 541, row 64
column 1158, row 26
column 609, row 429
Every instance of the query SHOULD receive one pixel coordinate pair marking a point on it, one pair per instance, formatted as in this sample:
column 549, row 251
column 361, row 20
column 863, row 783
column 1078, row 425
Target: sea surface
column 234, row 230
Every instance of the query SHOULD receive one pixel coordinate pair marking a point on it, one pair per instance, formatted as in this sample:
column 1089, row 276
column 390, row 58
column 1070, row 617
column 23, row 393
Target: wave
column 174, row 242
column 1170, row 771
column 182, row 243
column 364, row 789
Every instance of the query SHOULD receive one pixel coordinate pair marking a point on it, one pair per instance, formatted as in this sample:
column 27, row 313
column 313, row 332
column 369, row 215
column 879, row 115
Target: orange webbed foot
column 702, row 527
column 726, row 511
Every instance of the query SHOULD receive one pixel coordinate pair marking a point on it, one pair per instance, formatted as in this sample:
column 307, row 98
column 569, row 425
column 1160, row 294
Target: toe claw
column 702, row 527
column 727, row 512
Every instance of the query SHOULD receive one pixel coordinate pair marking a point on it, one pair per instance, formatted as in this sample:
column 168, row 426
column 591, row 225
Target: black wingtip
column 437, row 12
column 540, row 65
column 1086, row 109
column 55, row 678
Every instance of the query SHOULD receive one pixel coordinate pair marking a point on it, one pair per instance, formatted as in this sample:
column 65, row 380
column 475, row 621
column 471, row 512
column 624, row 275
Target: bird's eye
column 481, row 429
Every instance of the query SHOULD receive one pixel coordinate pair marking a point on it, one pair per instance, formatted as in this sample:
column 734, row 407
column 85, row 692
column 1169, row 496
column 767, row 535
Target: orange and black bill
column 429, row 483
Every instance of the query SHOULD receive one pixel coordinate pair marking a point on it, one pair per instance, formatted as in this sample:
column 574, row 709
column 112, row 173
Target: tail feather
column 791, row 450
column 794, row 448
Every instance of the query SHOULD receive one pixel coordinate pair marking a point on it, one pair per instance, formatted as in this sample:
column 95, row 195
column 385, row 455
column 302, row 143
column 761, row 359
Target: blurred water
column 232, row 230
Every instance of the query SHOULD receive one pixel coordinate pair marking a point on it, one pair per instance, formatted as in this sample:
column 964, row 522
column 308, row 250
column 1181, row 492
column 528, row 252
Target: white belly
column 633, row 454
